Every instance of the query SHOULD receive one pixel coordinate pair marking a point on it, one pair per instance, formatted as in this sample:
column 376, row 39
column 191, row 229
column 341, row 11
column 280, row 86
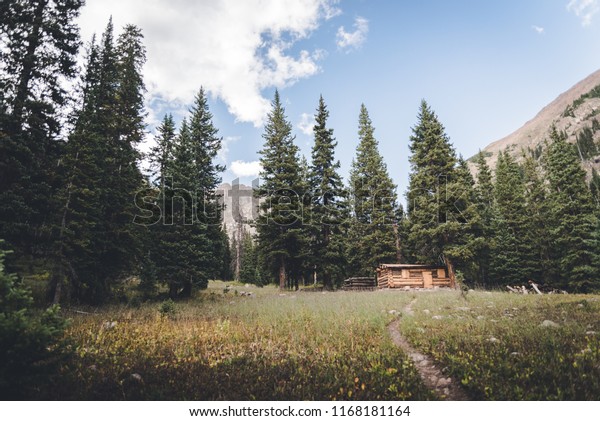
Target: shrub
column 31, row 342
column 167, row 308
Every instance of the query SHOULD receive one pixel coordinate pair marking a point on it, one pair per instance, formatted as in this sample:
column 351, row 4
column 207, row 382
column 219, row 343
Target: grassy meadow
column 331, row 346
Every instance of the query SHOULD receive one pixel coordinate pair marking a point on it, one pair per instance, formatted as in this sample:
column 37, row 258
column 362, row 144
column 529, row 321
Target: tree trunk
column 451, row 274
column 282, row 273
column 238, row 248
column 29, row 62
column 187, row 288
column 398, row 245
column 173, row 290
column 55, row 287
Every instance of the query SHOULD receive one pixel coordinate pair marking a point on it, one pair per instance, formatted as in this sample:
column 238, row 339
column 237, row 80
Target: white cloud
column 306, row 123
column 353, row 39
column 537, row 29
column 245, row 169
column 235, row 49
column 584, row 9
column 224, row 151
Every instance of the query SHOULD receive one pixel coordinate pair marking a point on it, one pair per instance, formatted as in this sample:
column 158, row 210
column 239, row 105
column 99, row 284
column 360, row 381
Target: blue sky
column 485, row 67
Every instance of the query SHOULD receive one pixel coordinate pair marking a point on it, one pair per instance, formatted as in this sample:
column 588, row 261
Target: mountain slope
column 572, row 112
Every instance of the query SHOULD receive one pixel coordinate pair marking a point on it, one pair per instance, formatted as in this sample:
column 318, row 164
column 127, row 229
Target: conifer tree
column 99, row 242
column 573, row 223
column 595, row 189
column 161, row 153
column 537, row 223
column 440, row 196
column 249, row 261
column 371, row 238
column 190, row 244
column 225, row 273
column 39, row 42
column 328, row 206
column 513, row 253
column 483, row 234
column 279, row 225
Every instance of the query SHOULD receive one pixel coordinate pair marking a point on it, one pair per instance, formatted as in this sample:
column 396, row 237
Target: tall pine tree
column 328, row 206
column 189, row 246
column 574, row 235
column 513, row 252
column 39, row 42
column 372, row 238
column 279, row 224
column 100, row 244
column 483, row 233
column 440, row 196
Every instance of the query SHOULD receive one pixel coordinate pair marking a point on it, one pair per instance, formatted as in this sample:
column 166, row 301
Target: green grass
column 223, row 345
column 332, row 346
column 497, row 346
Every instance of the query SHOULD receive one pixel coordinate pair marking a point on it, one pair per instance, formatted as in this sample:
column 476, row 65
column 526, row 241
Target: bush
column 167, row 308
column 31, row 342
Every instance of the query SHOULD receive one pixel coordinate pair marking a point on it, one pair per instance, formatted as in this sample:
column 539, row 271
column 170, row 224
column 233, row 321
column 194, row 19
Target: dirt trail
column 444, row 387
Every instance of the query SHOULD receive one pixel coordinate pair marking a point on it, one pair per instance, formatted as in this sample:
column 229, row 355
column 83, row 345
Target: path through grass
column 326, row 346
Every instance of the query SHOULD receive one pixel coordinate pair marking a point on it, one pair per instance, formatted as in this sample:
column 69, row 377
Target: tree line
column 535, row 219
column 73, row 196
column 81, row 215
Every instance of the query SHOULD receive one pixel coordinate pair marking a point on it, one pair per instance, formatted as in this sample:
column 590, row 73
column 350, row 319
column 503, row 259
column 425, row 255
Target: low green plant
column 31, row 341
column 167, row 308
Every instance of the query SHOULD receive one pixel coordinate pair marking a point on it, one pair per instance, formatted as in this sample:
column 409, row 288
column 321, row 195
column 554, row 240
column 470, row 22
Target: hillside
column 573, row 112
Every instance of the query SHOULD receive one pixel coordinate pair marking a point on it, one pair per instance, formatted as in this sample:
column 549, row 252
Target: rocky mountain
column 240, row 207
column 576, row 112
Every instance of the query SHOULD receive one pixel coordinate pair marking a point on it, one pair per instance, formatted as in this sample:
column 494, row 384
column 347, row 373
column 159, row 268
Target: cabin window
column 434, row 274
column 416, row 274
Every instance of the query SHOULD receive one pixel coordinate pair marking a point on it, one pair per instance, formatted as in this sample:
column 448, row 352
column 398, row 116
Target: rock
column 109, row 325
column 590, row 333
column 580, row 305
column 493, row 340
column 247, row 286
column 406, row 288
column 437, row 317
column 549, row 323
column 463, row 308
column 444, row 381
column 515, row 354
column 392, row 312
column 471, row 290
column 426, row 311
column 137, row 378
column 480, row 317
column 93, row 367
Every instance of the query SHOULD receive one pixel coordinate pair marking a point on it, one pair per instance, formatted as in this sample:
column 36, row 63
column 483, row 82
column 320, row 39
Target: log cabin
column 414, row 276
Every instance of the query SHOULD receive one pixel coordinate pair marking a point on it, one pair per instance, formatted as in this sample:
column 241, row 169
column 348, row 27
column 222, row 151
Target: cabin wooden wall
column 390, row 277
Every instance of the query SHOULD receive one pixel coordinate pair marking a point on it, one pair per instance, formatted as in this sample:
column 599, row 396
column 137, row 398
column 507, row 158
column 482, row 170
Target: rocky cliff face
column 572, row 112
column 240, row 207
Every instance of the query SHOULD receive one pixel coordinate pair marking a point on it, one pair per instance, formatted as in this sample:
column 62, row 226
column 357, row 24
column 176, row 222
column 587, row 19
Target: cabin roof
column 409, row 266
